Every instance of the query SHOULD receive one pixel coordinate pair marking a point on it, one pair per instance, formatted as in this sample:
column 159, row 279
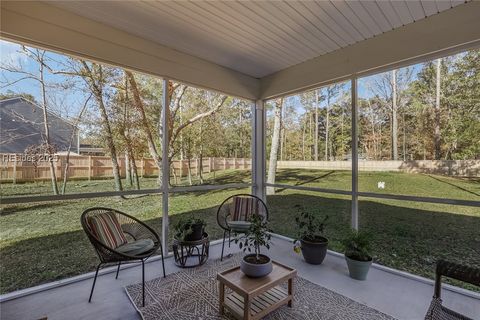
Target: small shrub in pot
column 189, row 229
column 357, row 246
column 255, row 264
column 311, row 240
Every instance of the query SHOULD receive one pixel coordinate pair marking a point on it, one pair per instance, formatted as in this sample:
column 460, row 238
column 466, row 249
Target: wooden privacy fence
column 18, row 168
column 456, row 168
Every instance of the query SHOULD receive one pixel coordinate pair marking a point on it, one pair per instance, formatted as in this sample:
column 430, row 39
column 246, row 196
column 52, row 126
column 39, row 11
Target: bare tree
column 39, row 57
column 72, row 136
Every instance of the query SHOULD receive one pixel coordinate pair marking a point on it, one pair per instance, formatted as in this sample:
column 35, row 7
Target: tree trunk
column 438, row 137
column 50, row 150
column 138, row 103
column 109, row 139
column 275, row 145
column 315, row 138
column 394, row 116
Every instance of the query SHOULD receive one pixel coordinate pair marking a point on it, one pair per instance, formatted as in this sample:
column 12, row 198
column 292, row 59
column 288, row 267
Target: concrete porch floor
column 394, row 294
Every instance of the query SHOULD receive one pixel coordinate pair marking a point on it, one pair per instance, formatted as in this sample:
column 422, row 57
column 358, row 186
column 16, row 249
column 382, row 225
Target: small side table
column 254, row 298
column 190, row 254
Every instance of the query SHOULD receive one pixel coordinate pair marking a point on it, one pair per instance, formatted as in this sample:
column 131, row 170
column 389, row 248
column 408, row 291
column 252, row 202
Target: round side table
column 190, row 254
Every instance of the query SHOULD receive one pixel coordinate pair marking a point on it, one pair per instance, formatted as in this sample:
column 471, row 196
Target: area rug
column 193, row 294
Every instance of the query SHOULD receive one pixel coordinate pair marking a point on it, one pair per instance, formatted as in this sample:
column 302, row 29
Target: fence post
column 224, row 164
column 196, row 167
column 89, row 168
column 14, row 170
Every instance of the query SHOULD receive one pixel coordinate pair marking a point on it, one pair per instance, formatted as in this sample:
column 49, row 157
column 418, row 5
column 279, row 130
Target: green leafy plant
column 310, row 226
column 357, row 245
column 184, row 226
column 255, row 237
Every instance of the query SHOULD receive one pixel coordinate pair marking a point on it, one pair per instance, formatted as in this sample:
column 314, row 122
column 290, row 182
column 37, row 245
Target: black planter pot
column 197, row 232
column 314, row 251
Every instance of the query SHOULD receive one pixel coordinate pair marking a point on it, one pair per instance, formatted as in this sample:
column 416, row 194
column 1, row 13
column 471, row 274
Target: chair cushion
column 136, row 247
column 243, row 208
column 239, row 226
column 107, row 229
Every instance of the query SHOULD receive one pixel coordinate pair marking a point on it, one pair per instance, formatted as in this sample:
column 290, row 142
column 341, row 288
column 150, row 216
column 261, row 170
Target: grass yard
column 41, row 242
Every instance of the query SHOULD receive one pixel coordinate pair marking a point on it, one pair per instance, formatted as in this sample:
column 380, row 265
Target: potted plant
column 189, row 229
column 357, row 253
column 311, row 240
column 255, row 264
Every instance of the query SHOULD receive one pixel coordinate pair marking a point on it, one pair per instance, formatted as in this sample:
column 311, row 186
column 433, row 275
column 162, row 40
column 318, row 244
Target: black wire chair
column 225, row 216
column 471, row 275
column 133, row 229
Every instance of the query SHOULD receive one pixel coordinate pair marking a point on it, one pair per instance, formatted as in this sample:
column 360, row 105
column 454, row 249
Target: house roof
column 21, row 126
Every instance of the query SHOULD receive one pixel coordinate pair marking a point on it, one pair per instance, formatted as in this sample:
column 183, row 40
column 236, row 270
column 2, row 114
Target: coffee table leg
column 246, row 308
column 290, row 292
column 221, row 296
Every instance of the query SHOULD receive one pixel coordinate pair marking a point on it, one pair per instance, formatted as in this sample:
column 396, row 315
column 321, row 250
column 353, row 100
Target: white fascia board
column 445, row 33
column 43, row 25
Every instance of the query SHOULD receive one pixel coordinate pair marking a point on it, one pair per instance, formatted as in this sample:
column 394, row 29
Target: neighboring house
column 21, row 126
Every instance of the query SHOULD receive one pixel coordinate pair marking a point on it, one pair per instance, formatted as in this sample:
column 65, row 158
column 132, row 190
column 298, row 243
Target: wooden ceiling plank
column 334, row 41
column 443, row 5
column 377, row 15
column 303, row 23
column 455, row 3
column 354, row 20
column 401, row 9
column 248, row 53
column 259, row 23
column 285, row 23
column 227, row 28
column 429, row 7
column 326, row 22
column 364, row 16
column 342, row 22
column 416, row 9
column 281, row 31
column 389, row 12
column 233, row 17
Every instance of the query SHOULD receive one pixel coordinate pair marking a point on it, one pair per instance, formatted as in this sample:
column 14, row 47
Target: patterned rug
column 193, row 294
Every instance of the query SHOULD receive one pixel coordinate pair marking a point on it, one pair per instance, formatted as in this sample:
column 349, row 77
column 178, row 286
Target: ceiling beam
column 444, row 33
column 43, row 25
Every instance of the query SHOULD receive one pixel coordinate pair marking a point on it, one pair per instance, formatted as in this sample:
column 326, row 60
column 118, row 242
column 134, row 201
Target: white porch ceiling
column 257, row 38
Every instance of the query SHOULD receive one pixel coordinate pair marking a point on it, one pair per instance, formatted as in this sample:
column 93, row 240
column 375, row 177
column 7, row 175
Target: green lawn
column 42, row 242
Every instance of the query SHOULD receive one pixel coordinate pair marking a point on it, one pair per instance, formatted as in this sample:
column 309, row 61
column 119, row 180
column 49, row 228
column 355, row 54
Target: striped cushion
column 106, row 228
column 243, row 208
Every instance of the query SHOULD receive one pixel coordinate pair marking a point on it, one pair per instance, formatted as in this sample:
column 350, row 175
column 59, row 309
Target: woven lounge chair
column 234, row 213
column 455, row 271
column 120, row 238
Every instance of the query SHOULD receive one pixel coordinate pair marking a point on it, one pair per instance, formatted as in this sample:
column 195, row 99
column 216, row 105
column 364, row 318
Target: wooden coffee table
column 254, row 298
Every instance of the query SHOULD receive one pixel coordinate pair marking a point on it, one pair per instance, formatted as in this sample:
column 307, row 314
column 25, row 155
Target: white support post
column 258, row 149
column 354, row 153
column 165, row 165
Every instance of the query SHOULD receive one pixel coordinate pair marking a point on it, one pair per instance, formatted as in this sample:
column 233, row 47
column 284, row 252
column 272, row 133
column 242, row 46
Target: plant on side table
column 255, row 264
column 189, row 229
column 311, row 240
column 357, row 253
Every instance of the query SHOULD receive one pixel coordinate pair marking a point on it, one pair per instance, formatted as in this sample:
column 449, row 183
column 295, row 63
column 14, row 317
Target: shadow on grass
column 404, row 238
column 301, row 183
column 454, row 185
column 12, row 209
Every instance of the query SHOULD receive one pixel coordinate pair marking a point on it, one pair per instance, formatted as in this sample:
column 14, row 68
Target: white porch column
column 258, row 149
column 354, row 153
column 165, row 165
